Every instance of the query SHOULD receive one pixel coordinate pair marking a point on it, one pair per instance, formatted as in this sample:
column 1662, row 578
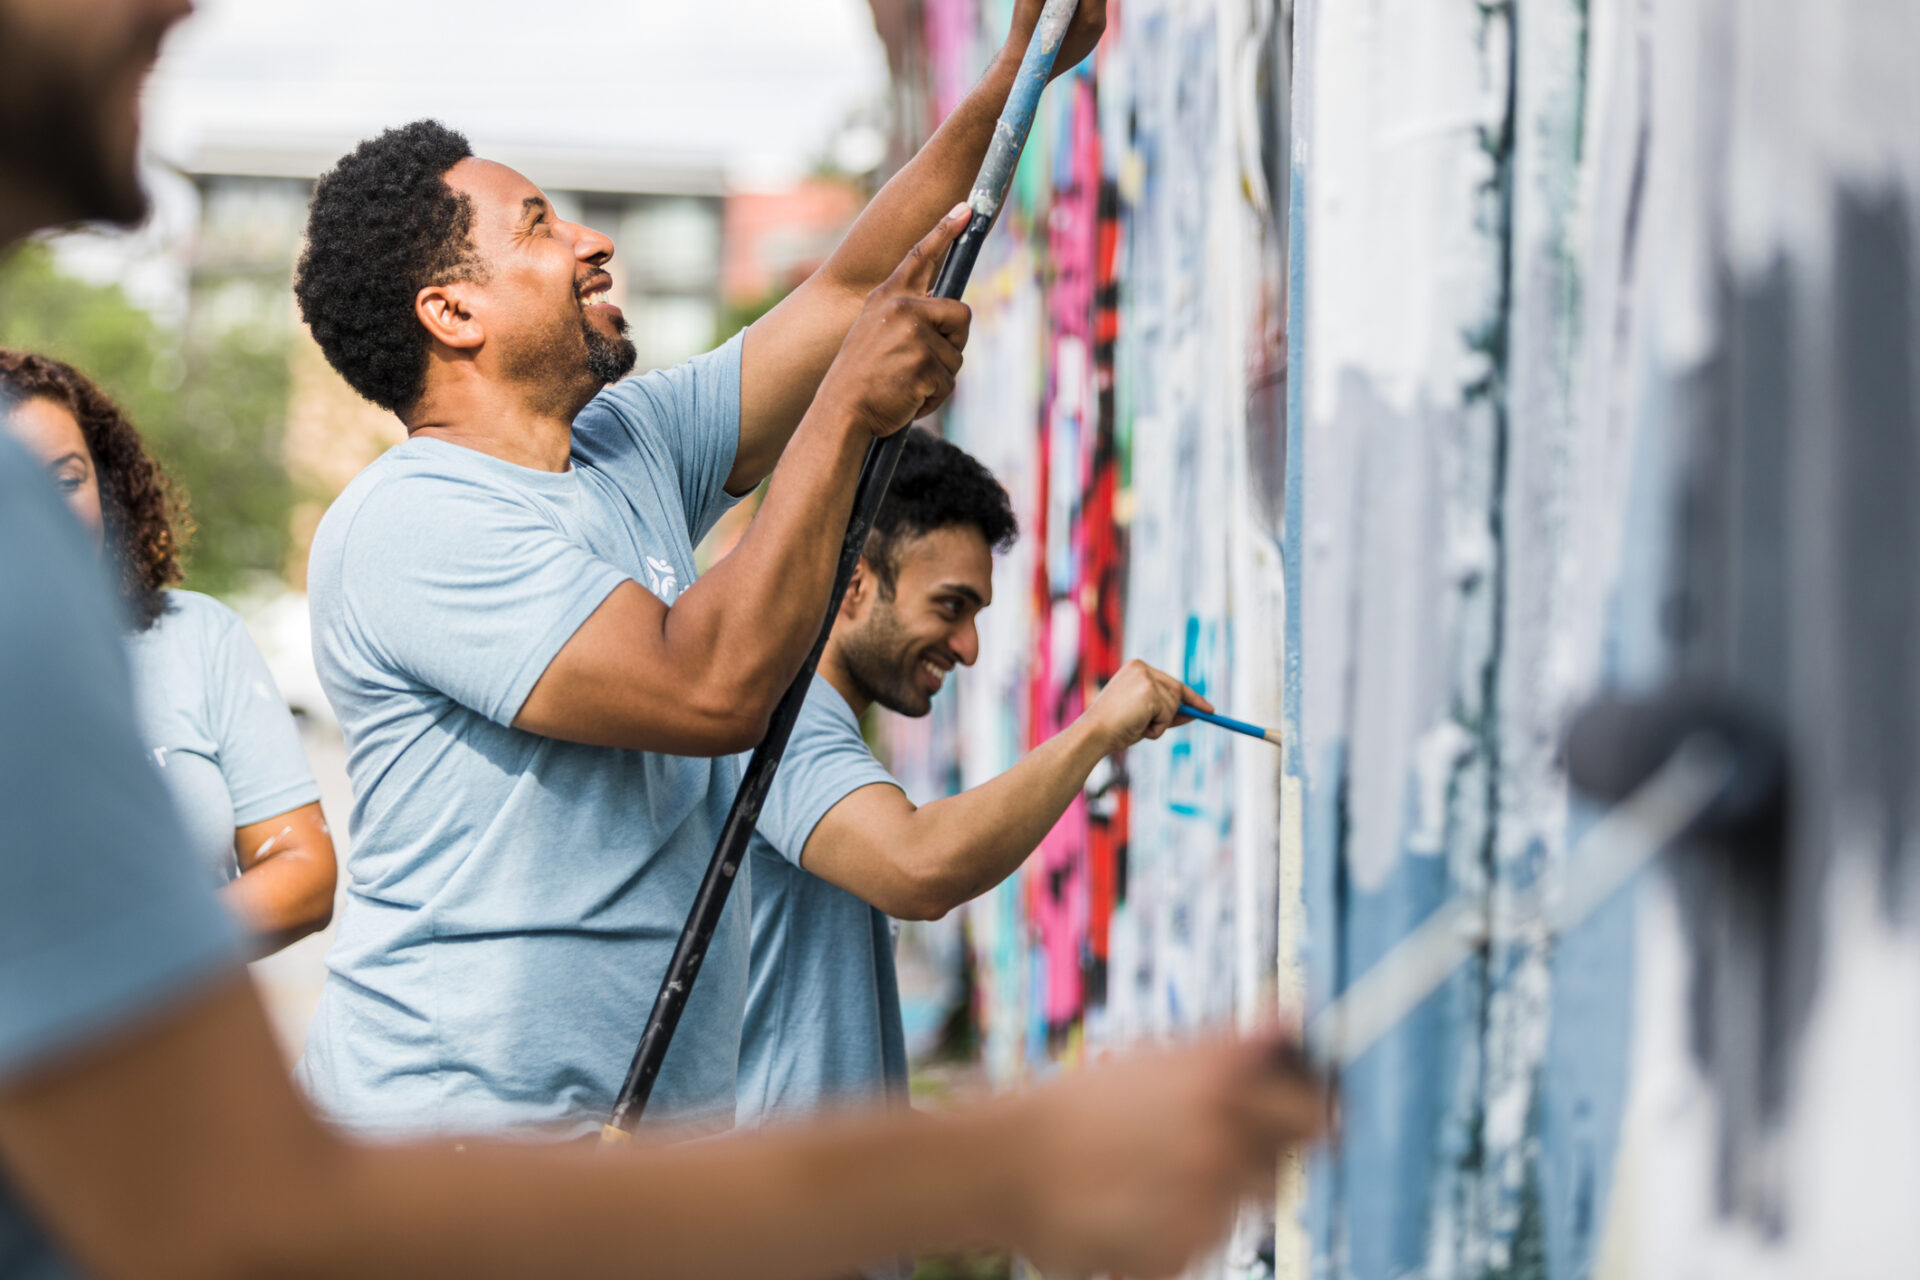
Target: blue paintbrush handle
column 1228, row 722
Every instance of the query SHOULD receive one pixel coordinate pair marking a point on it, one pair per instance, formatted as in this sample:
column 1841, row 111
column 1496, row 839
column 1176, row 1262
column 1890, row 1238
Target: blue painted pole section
column 1228, row 722
column 1016, row 118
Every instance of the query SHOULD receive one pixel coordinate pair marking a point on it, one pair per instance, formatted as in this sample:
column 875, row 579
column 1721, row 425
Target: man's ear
column 442, row 309
column 860, row 589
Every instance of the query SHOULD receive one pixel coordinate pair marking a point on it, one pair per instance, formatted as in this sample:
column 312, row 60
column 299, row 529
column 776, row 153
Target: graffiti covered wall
column 1127, row 384
column 1600, row 317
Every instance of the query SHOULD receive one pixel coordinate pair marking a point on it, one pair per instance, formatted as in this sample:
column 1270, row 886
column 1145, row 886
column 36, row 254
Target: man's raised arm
column 701, row 678
column 788, row 350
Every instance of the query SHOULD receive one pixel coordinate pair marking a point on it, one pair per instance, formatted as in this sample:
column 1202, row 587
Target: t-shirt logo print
column 661, row 579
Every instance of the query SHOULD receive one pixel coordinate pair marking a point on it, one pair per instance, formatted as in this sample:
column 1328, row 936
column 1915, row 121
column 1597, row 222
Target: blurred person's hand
column 1083, row 33
column 899, row 360
column 1136, row 1166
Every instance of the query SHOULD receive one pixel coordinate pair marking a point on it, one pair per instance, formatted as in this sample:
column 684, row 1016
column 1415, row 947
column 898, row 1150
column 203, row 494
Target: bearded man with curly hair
column 542, row 704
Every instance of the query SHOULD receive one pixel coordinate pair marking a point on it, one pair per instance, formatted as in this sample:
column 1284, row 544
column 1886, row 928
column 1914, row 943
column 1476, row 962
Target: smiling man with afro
column 542, row 705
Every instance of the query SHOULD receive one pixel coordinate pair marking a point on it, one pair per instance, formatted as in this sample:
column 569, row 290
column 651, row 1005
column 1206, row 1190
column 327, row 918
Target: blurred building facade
column 776, row 239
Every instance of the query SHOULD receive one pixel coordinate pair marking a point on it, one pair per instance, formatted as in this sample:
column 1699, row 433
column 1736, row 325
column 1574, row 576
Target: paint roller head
column 1616, row 743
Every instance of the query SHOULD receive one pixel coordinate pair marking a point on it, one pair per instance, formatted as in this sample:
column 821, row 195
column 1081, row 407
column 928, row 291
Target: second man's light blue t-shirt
column 823, row 1011
column 512, row 900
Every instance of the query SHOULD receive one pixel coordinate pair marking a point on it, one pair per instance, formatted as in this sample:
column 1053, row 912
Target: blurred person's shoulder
column 86, row 943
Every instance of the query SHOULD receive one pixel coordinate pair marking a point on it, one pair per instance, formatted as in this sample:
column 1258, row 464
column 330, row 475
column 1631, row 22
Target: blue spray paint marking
column 1194, row 764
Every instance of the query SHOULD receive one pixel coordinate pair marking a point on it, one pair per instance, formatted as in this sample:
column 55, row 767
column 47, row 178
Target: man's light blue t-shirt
column 104, row 916
column 823, row 1009
column 216, row 727
column 512, row 899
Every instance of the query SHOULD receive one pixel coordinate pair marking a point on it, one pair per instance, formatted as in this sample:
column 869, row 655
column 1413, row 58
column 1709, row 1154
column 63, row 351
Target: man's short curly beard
column 882, row 662
column 562, row 373
column 609, row 359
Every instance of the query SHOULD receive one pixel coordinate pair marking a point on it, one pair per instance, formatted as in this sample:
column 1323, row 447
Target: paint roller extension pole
column 989, row 190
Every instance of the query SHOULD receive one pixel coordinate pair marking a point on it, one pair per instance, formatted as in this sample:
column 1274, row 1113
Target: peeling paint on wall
column 1609, row 374
column 1414, row 370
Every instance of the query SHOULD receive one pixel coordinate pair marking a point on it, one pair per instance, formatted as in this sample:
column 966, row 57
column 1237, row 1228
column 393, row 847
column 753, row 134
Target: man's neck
column 492, row 420
column 835, row 673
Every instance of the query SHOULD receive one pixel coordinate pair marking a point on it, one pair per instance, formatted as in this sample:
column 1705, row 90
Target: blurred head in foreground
column 427, row 268
column 926, row 572
column 100, row 467
column 71, row 72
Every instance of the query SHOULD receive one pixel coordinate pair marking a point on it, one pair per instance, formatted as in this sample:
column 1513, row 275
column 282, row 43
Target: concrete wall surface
column 1607, row 364
column 1411, row 373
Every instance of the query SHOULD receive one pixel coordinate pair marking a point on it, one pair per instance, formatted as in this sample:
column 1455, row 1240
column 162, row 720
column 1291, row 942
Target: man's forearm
column 788, row 351
column 968, row 843
column 759, row 610
column 176, row 1149
column 819, row 1203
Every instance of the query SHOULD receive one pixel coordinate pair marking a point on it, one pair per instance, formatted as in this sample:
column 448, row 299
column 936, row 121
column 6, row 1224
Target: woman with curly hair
column 213, row 722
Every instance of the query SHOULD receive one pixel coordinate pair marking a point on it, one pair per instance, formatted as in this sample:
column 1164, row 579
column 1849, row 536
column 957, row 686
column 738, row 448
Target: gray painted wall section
column 1606, row 359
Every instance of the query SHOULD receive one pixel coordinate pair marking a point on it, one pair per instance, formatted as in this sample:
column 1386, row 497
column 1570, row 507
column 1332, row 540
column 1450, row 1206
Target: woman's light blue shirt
column 215, row 726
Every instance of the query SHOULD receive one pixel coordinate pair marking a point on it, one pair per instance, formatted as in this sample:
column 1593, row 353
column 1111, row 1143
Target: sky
column 760, row 87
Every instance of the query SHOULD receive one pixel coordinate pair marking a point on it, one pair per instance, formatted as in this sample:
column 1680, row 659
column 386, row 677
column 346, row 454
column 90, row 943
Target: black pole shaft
column 876, row 474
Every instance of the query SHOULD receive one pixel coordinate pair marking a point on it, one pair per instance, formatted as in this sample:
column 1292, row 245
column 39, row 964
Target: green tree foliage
column 210, row 401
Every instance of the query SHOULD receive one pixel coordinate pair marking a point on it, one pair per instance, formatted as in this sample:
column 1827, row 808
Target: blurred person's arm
column 788, row 350
column 179, row 1150
column 280, row 841
column 701, row 678
column 287, row 877
column 920, row 862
